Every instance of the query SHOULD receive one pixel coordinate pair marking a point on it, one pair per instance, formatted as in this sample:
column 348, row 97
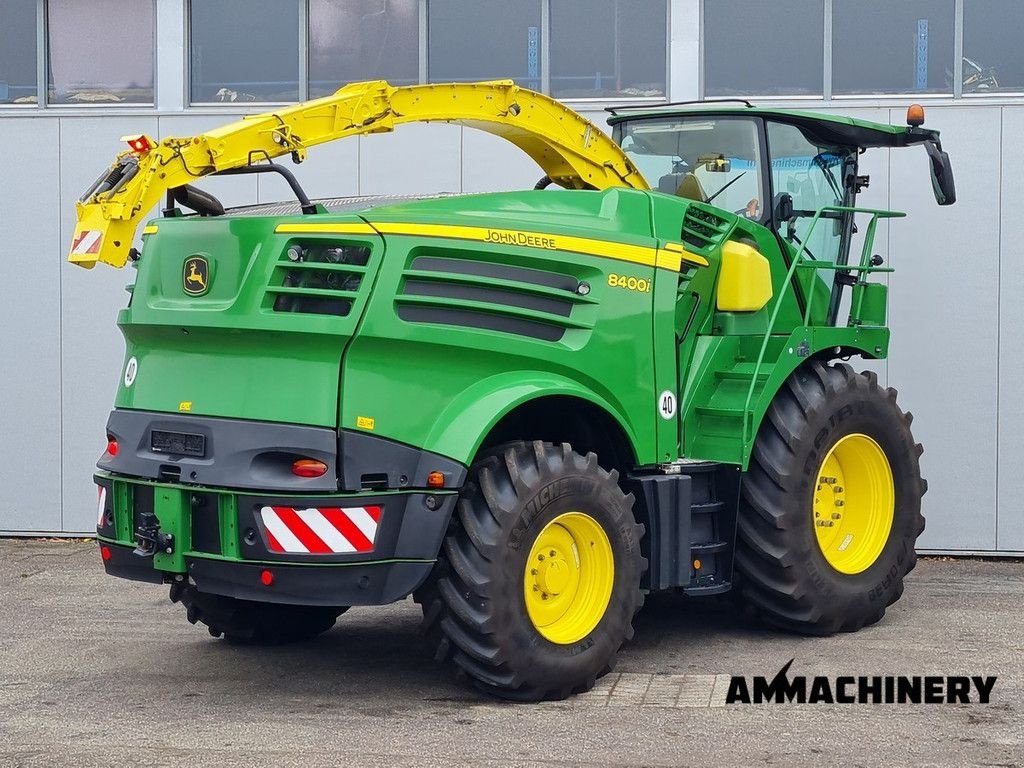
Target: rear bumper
column 356, row 584
column 335, row 549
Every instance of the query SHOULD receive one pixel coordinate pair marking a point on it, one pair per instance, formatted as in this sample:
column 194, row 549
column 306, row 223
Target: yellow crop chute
column 571, row 150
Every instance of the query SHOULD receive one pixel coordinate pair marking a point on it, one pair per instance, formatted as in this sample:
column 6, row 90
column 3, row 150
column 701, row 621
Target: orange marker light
column 266, row 578
column 308, row 468
column 435, row 480
column 915, row 115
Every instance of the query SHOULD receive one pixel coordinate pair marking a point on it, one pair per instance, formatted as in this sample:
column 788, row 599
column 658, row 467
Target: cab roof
column 834, row 130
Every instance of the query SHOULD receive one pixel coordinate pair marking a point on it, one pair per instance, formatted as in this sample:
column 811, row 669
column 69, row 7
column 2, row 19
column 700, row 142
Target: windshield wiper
column 819, row 161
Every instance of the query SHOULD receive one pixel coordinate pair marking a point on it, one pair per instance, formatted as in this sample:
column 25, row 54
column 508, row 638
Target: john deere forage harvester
column 526, row 409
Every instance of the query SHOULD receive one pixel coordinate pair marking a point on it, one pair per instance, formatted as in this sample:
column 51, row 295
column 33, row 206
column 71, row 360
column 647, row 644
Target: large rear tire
column 245, row 622
column 831, row 504
column 539, row 577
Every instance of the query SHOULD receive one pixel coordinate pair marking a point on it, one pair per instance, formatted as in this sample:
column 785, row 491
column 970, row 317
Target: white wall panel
column 414, row 159
column 964, row 383
column 31, row 250
column 490, row 163
column 91, row 346
column 944, row 319
column 1011, row 334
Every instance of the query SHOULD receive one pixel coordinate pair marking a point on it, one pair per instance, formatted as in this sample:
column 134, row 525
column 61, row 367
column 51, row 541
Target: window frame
column 302, row 52
column 43, row 71
column 826, row 80
column 545, row 63
column 828, row 96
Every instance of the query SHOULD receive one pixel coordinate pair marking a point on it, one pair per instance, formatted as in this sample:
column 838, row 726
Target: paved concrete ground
column 100, row 672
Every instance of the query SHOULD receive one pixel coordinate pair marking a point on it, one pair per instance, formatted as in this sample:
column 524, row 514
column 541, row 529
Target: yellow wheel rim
column 854, row 503
column 569, row 577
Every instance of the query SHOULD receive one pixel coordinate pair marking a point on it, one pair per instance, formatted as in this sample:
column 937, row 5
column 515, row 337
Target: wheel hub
column 553, row 575
column 568, row 578
column 854, row 504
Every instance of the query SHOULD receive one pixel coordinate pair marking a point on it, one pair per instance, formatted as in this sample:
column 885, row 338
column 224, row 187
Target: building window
column 484, row 40
column 18, row 52
column 737, row 62
column 993, row 57
column 100, row 52
column 244, row 50
column 879, row 46
column 608, row 48
column 353, row 40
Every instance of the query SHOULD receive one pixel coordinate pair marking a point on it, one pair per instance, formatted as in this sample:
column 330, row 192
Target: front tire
column 831, row 504
column 539, row 577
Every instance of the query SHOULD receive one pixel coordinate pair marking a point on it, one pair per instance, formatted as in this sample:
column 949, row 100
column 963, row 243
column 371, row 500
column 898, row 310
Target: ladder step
column 724, row 413
column 742, row 374
column 707, row 508
column 708, row 548
column 709, row 589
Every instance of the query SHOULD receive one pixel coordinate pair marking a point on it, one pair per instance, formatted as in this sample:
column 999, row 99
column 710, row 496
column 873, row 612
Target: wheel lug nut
column 536, row 588
column 836, row 515
column 544, row 595
column 840, row 503
column 838, row 489
column 540, row 557
column 552, row 553
column 534, row 571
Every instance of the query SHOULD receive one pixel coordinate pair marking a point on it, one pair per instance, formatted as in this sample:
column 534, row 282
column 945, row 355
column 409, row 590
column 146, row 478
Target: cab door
column 807, row 176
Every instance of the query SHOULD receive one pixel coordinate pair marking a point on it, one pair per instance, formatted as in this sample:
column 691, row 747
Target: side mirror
column 783, row 207
column 942, row 174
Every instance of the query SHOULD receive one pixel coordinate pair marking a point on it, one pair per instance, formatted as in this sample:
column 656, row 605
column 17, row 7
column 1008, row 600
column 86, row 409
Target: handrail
column 799, row 262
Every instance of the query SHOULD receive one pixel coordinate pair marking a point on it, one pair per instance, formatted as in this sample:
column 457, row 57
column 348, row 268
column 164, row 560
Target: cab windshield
column 711, row 160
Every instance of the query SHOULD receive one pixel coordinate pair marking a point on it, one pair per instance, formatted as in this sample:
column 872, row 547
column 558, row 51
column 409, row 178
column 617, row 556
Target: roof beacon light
column 915, row 115
column 139, row 144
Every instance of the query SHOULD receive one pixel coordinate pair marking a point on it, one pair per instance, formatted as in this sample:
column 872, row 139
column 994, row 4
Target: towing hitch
column 148, row 538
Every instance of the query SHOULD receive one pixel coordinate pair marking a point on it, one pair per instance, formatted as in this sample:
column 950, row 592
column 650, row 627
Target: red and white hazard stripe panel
column 101, row 503
column 87, row 242
column 321, row 530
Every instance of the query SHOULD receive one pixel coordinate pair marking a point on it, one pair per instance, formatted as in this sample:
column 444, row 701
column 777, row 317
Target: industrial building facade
column 75, row 77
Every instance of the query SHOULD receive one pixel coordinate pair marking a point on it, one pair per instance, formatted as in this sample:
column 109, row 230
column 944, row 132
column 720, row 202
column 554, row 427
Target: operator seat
column 682, row 185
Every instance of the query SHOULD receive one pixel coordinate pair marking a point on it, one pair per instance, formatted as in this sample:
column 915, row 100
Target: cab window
column 711, row 160
column 811, row 174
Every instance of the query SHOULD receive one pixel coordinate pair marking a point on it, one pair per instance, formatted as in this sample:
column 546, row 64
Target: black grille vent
column 466, row 293
column 318, row 278
column 702, row 228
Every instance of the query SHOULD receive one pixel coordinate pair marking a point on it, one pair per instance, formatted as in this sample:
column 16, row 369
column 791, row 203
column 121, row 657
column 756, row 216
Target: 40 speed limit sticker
column 667, row 404
column 638, row 284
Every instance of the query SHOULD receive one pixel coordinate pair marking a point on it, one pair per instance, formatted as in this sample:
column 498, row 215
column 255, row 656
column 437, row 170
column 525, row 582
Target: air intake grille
column 318, row 278
column 703, row 229
column 466, row 293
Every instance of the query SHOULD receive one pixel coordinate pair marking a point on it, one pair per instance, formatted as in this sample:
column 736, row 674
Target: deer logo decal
column 196, row 276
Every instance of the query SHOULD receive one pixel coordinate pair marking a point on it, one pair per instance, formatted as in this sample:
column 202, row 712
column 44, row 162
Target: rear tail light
column 112, row 447
column 308, row 468
column 105, row 552
column 266, row 578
